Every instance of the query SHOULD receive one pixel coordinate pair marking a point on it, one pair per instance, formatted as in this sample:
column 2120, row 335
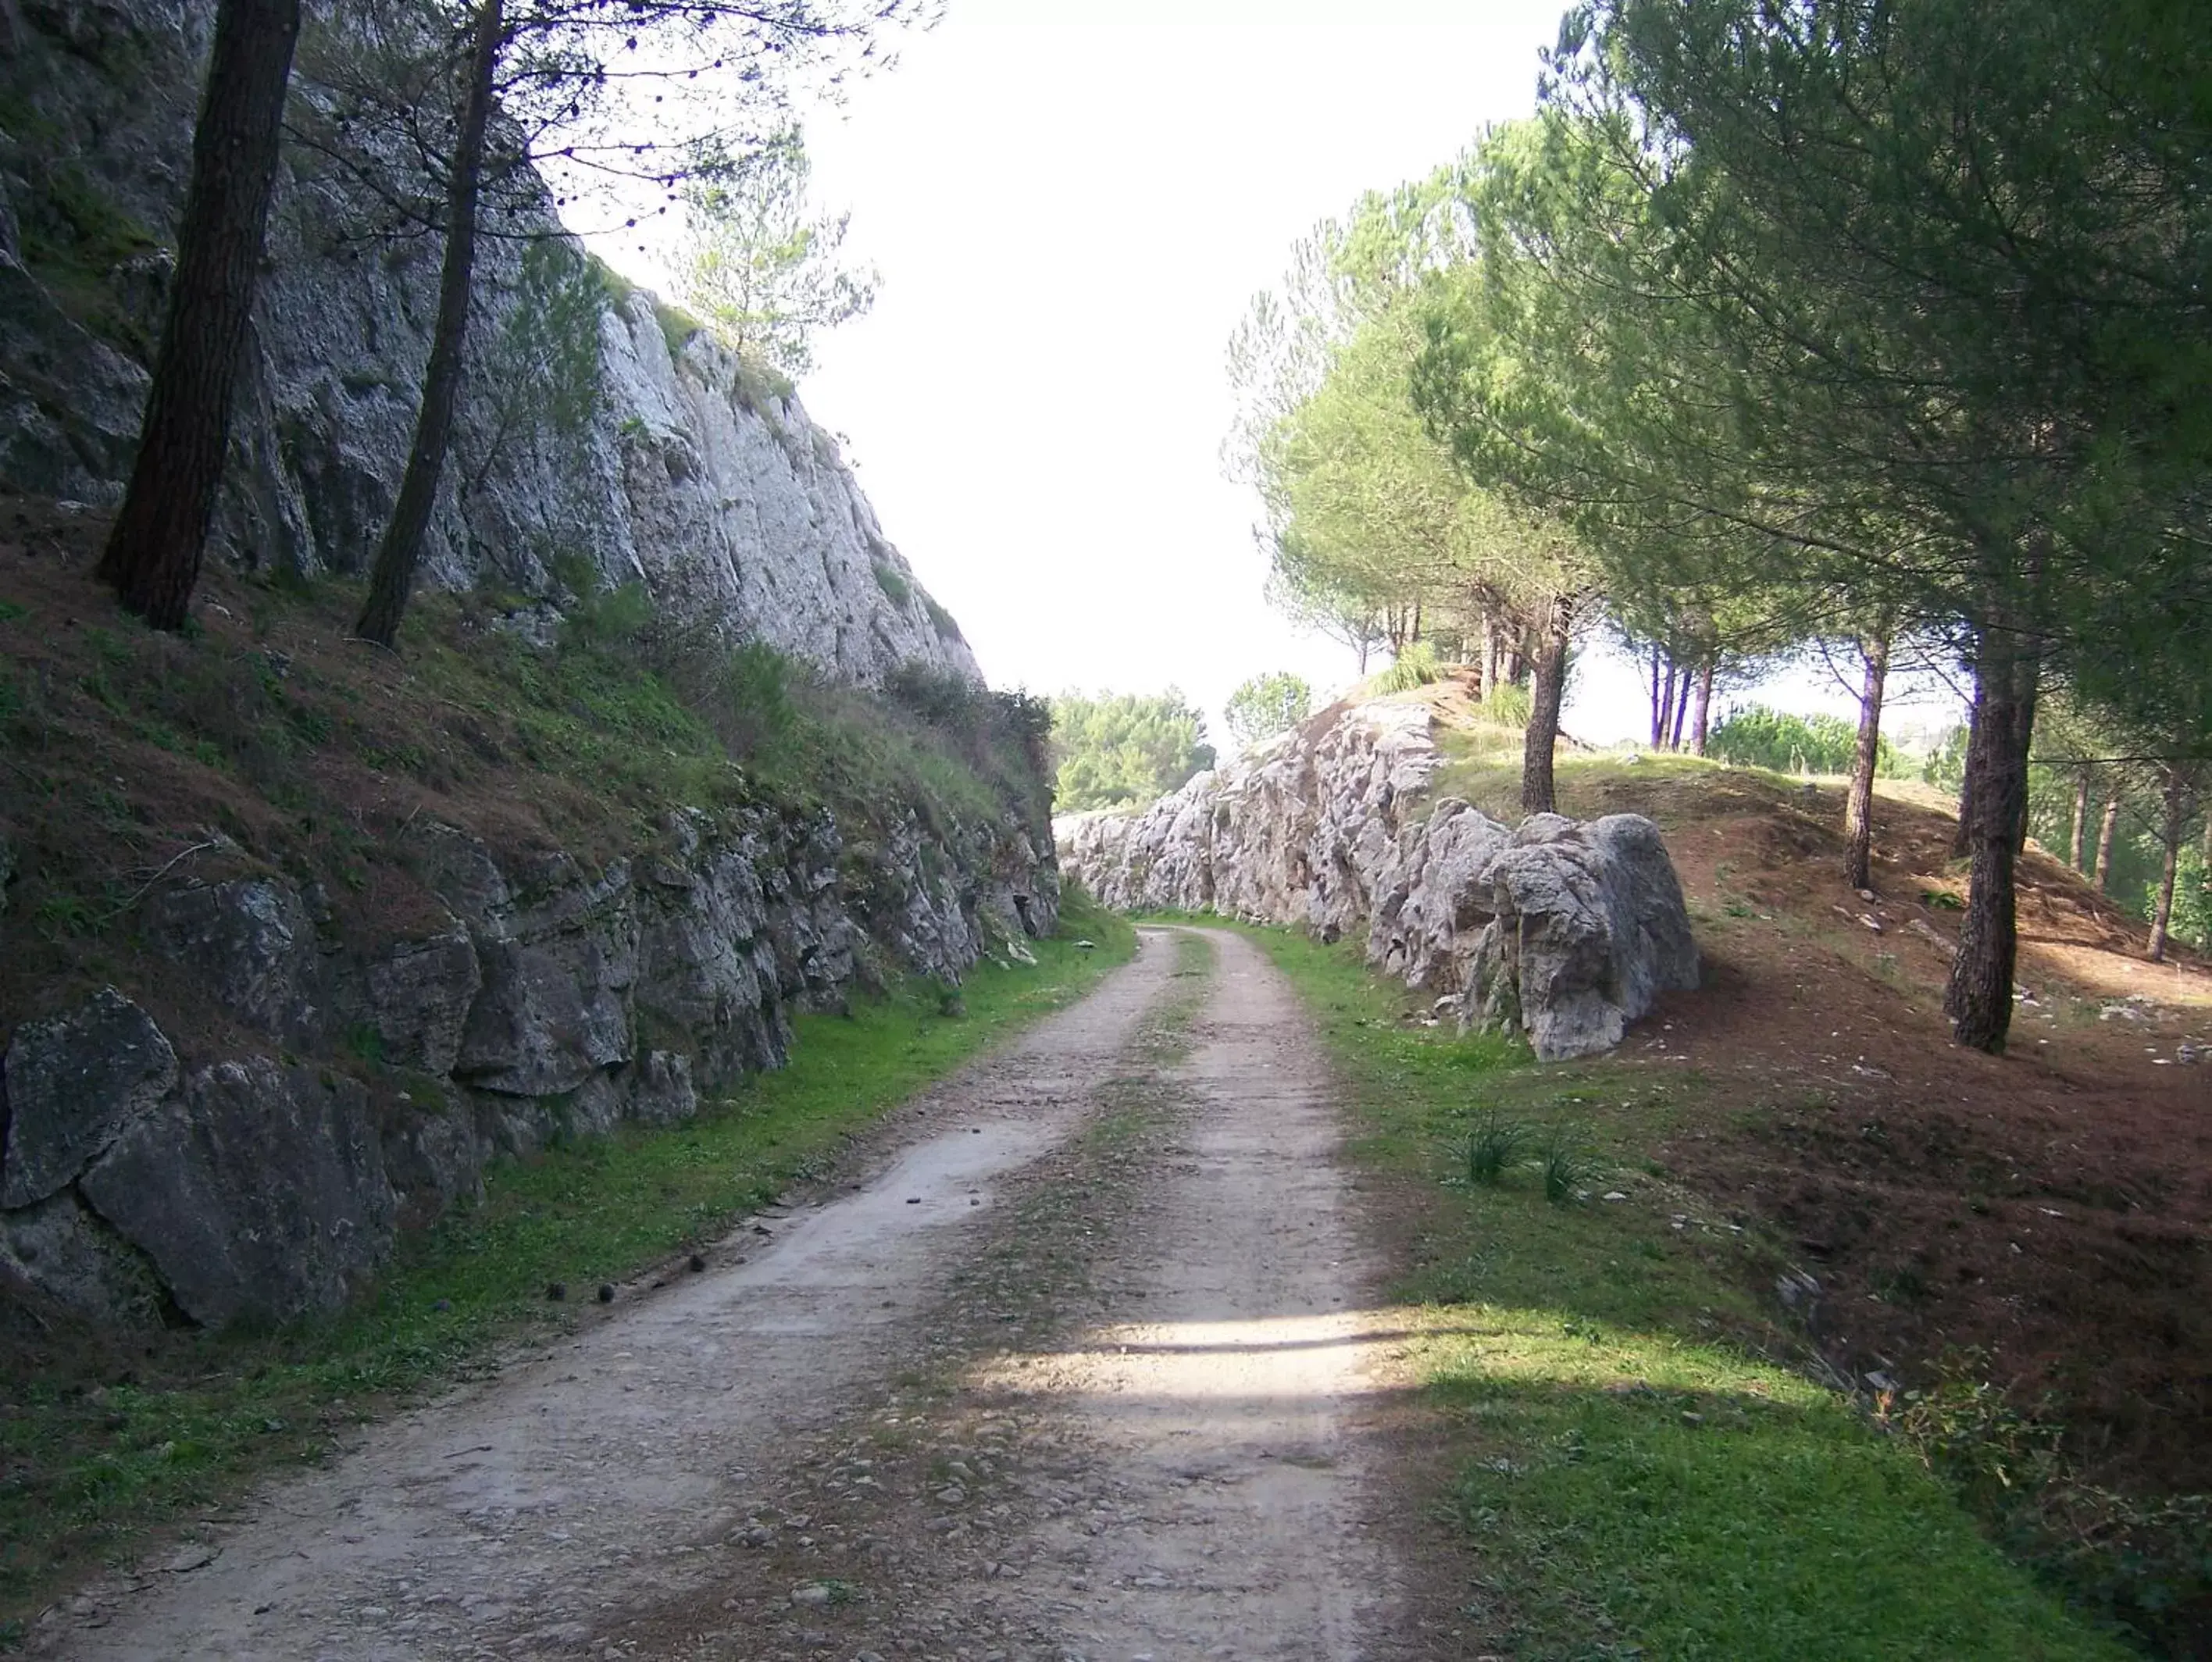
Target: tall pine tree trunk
column 1681, row 709
column 1537, row 794
column 1858, row 807
column 153, row 553
column 1962, row 839
column 1979, row 998
column 2104, row 833
column 392, row 583
column 1489, row 659
column 2170, row 834
column 2078, row 844
column 1701, row 725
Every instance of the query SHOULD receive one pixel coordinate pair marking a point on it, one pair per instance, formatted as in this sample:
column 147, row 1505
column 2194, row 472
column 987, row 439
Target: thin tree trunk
column 1681, row 709
column 1658, row 709
column 1489, row 659
column 154, row 549
column 1537, row 794
column 2170, row 833
column 1979, row 998
column 1858, row 807
column 1666, row 696
column 2104, row 833
column 392, row 583
column 2078, row 844
column 2023, row 741
column 1703, row 725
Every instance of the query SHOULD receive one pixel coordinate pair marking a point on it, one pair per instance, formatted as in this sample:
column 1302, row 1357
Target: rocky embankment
column 253, row 1158
column 223, row 1093
column 603, row 439
column 1566, row 931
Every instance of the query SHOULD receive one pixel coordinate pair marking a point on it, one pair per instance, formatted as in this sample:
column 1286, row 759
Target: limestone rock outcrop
column 1565, row 931
column 547, row 998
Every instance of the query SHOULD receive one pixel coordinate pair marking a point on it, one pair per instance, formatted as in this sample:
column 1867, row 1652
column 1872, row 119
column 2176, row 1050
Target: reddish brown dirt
column 2048, row 1208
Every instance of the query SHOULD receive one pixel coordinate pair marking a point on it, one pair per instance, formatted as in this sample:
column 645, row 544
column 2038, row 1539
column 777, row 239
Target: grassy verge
column 93, row 1454
column 1636, row 1474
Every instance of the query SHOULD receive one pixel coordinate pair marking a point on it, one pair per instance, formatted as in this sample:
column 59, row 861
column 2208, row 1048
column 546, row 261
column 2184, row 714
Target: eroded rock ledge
column 1565, row 931
column 250, row 1154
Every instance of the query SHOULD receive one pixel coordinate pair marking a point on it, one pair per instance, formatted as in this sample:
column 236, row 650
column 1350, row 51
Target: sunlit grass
column 1637, row 1470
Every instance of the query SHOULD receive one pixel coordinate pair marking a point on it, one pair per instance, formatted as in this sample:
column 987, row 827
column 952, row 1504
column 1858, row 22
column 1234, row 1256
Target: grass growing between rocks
column 1633, row 1474
column 99, row 1447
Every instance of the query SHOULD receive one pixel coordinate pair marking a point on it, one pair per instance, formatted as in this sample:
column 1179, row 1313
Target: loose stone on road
column 1083, row 1368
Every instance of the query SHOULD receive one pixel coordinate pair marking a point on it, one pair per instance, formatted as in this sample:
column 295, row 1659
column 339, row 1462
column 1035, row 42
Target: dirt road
column 1078, row 1368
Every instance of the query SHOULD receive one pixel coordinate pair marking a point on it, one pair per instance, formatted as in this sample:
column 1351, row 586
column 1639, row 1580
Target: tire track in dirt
column 506, row 1518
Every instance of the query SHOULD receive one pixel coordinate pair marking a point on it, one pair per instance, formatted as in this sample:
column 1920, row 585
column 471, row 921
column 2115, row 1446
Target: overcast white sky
column 1072, row 203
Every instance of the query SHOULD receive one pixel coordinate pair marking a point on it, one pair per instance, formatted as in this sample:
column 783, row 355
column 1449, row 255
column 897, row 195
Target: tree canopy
column 1124, row 749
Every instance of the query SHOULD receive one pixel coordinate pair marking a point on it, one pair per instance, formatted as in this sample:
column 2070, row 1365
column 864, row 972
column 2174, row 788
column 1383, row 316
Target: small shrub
column 606, row 619
column 677, row 326
column 893, row 583
column 1495, row 1149
column 1509, row 705
column 941, row 620
column 1416, row 666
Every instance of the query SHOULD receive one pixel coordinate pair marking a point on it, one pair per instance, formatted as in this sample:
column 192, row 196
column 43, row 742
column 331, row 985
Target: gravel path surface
column 1083, row 1367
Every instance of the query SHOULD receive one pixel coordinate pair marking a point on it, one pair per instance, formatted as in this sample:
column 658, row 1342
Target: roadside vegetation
column 108, row 1440
column 1639, row 1461
column 265, row 738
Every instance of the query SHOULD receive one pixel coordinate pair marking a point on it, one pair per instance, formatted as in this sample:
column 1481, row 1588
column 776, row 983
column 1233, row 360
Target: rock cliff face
column 1562, row 931
column 602, row 439
column 224, row 1135
column 550, row 1000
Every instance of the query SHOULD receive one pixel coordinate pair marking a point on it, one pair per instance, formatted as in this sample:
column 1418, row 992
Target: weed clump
column 1567, row 1164
column 1495, row 1149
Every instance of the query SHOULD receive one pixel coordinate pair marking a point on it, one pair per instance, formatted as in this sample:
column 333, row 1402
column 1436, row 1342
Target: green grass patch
column 1637, row 1474
column 90, row 1457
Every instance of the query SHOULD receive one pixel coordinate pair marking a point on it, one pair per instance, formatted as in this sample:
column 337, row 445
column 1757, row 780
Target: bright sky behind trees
column 1072, row 203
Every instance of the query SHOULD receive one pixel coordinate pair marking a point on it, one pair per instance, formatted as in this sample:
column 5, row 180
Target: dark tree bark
column 1858, row 806
column 153, row 553
column 2023, row 740
column 1703, row 725
column 1665, row 724
column 1658, row 708
column 2105, row 833
column 1537, row 795
column 1681, row 709
column 2078, row 844
column 1962, row 839
column 1979, row 998
column 2170, row 834
column 392, row 583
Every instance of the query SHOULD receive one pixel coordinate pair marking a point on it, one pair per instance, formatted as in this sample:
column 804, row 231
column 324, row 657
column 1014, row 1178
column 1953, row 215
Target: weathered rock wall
column 1562, row 931
column 599, row 439
column 340, row 1090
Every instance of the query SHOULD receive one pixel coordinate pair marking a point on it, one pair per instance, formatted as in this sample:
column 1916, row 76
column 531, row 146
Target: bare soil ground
column 1087, row 1367
column 2043, row 1216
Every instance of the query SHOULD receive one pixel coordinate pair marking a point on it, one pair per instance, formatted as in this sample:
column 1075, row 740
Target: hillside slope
column 2040, row 1220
